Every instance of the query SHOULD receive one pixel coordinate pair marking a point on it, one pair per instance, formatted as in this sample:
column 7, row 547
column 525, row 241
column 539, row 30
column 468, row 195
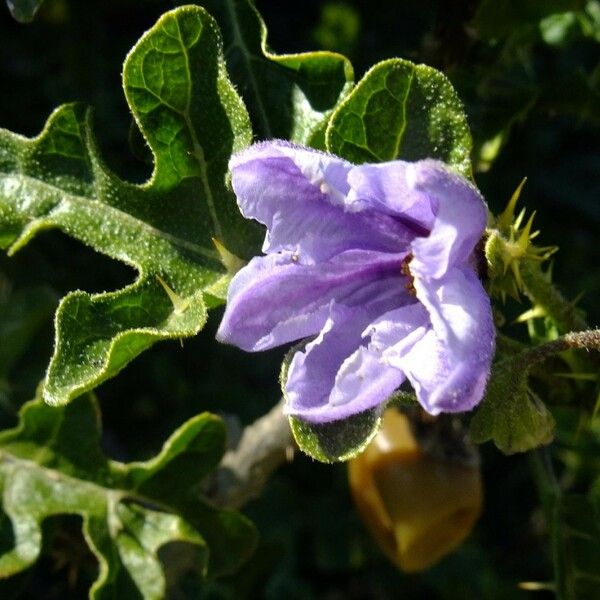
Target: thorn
column 596, row 407
column 548, row 273
column 230, row 261
column 578, row 376
column 537, row 586
column 506, row 218
column 514, row 267
column 577, row 299
column 289, row 453
column 180, row 305
column 519, row 219
column 524, row 237
column 532, row 313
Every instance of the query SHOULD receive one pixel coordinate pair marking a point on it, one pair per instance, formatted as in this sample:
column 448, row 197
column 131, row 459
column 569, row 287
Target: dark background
column 540, row 95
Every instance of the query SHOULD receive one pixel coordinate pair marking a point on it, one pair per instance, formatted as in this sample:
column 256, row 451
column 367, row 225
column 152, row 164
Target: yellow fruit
column 417, row 507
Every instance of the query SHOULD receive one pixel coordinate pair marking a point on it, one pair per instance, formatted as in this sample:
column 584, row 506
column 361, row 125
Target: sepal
column 511, row 414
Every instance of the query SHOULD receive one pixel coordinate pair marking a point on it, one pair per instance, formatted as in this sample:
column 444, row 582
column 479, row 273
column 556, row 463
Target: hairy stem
column 584, row 340
column 542, row 293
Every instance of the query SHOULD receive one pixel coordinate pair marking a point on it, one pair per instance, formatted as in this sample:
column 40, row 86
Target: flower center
column 405, row 270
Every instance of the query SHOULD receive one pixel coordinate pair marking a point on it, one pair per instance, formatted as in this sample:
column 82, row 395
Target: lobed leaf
column 52, row 464
column 289, row 96
column 192, row 119
column 400, row 110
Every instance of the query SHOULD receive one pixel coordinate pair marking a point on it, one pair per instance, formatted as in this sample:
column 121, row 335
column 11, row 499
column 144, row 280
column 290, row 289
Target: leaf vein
column 198, row 151
column 122, row 215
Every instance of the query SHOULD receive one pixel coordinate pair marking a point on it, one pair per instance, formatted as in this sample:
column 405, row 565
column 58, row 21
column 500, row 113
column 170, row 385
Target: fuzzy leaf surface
column 289, row 96
column 52, row 464
column 337, row 441
column 511, row 415
column 192, row 119
column 400, row 110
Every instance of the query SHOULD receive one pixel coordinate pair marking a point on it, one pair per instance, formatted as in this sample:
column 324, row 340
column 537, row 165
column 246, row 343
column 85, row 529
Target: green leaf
column 576, row 540
column 556, row 29
column 192, row 119
column 24, row 10
column 52, row 464
column 511, row 415
column 336, row 441
column 289, row 96
column 401, row 110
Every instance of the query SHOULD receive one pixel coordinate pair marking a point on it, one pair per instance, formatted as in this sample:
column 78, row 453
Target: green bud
column 508, row 246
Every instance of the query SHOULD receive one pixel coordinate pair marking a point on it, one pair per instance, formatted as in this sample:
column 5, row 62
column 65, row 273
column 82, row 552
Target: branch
column 584, row 340
column 267, row 443
column 264, row 446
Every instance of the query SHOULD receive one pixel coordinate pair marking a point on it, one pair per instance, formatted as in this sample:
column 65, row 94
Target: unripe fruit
column 417, row 506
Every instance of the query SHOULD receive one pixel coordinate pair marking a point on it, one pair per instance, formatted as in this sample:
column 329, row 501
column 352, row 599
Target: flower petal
column 387, row 188
column 337, row 376
column 299, row 194
column 460, row 219
column 450, row 364
column 395, row 333
column 274, row 300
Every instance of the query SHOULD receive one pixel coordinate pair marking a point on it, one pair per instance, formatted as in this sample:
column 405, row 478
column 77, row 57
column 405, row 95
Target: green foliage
column 52, row 464
column 511, row 85
column 402, row 110
column 289, row 96
column 527, row 72
column 576, row 545
column 338, row 28
column 24, row 10
column 500, row 18
column 511, row 415
column 561, row 28
column 192, row 119
column 340, row 441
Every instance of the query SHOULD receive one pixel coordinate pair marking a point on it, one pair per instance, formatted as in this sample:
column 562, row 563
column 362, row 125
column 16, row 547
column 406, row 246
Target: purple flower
column 377, row 262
